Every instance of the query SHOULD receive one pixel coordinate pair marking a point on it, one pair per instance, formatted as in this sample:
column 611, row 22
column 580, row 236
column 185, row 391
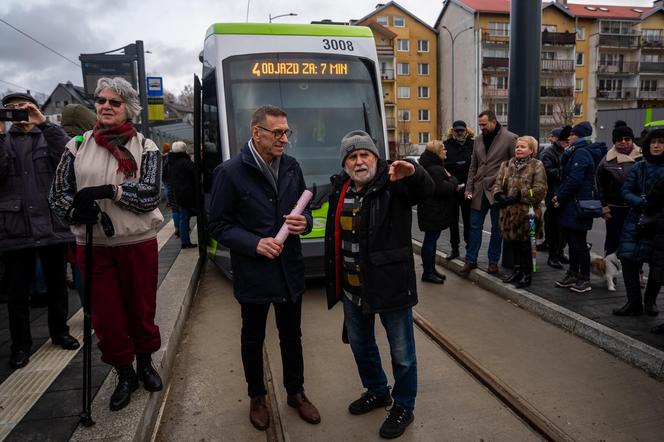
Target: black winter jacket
column 181, row 178
column 386, row 251
column 550, row 158
column 611, row 175
column 27, row 166
column 458, row 157
column 436, row 212
column 243, row 209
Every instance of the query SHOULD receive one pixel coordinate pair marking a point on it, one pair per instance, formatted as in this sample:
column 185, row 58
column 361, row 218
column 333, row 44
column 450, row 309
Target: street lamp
column 271, row 17
column 453, row 38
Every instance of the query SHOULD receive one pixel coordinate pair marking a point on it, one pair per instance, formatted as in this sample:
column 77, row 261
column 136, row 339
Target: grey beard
column 362, row 181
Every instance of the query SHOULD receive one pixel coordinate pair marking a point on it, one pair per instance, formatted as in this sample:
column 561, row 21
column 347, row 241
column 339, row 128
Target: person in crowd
column 29, row 154
column 655, row 201
column 252, row 196
column 579, row 163
column 641, row 192
column 611, row 174
column 370, row 269
column 182, row 182
column 116, row 170
column 459, row 146
column 168, row 189
column 490, row 149
column 436, row 213
column 520, row 185
column 554, row 135
column 550, row 158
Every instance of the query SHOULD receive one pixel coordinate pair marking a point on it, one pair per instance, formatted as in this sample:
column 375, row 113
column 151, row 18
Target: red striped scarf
column 114, row 139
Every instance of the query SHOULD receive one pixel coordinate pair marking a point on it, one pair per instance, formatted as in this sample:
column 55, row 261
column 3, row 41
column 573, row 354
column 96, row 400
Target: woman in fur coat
column 520, row 184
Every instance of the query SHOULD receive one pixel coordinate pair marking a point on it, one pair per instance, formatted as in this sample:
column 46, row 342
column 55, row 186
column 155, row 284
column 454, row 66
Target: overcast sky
column 172, row 30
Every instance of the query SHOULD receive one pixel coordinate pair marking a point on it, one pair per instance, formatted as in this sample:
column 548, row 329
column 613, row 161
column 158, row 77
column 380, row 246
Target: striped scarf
column 114, row 139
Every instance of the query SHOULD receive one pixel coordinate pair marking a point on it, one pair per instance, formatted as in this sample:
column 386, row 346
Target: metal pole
column 453, row 39
column 142, row 85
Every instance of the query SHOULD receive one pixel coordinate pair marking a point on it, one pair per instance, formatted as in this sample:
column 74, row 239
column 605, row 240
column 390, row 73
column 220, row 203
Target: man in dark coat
column 550, row 158
column 369, row 266
column 29, row 154
column 459, row 146
column 252, row 196
column 182, row 180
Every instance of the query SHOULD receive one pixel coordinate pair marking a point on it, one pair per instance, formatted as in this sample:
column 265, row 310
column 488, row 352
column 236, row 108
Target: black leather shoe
column 433, row 278
column 650, row 308
column 66, row 341
column 563, row 259
column 440, row 275
column 188, row 246
column 19, row 359
column 453, row 255
column 554, row 262
column 659, row 330
column 524, row 282
column 629, row 309
column 516, row 275
column 147, row 373
column 127, row 384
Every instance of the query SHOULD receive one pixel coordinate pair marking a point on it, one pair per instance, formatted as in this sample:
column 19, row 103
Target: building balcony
column 494, row 92
column 385, row 50
column 620, row 40
column 495, row 63
column 558, row 65
column 493, row 36
column 652, row 67
column 558, row 38
column 387, row 74
column 390, row 122
column 652, row 43
column 556, row 91
column 626, row 93
column 657, row 94
column 625, row 67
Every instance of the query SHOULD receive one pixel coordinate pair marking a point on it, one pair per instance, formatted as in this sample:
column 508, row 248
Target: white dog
column 607, row 267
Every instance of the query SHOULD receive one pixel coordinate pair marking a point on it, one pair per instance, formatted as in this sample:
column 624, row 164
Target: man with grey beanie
column 369, row 231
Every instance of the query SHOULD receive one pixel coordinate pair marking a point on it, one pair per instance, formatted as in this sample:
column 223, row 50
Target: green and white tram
column 326, row 77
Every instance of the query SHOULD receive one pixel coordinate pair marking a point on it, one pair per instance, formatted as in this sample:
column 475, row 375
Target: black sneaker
column 581, row 286
column 396, row 422
column 568, row 280
column 369, row 401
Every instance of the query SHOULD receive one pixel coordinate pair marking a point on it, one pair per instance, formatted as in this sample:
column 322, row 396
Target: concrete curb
column 138, row 420
column 636, row 353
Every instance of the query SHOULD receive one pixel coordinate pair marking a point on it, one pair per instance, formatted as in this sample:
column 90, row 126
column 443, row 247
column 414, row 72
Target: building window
column 403, row 68
column 423, row 115
column 548, row 55
column 498, row 82
column 404, row 115
column 649, row 85
column 423, row 137
column 402, row 45
column 404, row 137
column 497, row 52
column 546, row 109
column 499, row 29
column 579, row 58
column 403, row 92
column 650, row 58
column 423, row 92
column 610, row 85
column 616, row 27
column 422, row 68
column 578, row 110
column 651, row 36
column 578, row 85
column 398, row 21
column 580, row 33
column 58, row 104
column 500, row 109
column 422, row 45
column 549, row 28
column 382, row 20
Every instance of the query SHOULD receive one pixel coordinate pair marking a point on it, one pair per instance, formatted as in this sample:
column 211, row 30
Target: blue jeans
column 183, row 219
column 399, row 328
column 429, row 251
column 475, row 237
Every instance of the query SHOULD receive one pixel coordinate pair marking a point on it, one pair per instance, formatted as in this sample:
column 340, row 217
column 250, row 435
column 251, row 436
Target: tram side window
column 210, row 121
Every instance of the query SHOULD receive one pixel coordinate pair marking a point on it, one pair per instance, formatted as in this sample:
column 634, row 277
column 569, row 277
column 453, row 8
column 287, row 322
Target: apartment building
column 592, row 58
column 407, row 51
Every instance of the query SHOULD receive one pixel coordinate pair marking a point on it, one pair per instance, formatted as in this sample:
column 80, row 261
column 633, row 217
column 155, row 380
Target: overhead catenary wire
column 21, row 87
column 40, row 43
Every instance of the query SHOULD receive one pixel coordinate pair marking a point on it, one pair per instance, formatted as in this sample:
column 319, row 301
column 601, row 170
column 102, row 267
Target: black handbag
column 589, row 209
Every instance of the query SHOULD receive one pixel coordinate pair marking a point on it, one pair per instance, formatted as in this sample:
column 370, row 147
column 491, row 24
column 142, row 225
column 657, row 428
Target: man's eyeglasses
column 278, row 133
column 621, row 139
column 113, row 102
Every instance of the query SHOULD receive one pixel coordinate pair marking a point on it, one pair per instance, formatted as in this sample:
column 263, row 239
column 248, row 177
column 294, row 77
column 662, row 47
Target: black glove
column 516, row 197
column 499, row 198
column 86, row 215
column 85, row 198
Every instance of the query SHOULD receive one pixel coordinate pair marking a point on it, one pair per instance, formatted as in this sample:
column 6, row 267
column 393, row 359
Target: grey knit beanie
column 356, row 140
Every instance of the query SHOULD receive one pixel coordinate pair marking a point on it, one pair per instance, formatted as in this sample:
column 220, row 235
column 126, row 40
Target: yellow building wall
column 584, row 71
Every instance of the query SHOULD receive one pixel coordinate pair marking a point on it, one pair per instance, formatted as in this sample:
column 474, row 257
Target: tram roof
column 288, row 29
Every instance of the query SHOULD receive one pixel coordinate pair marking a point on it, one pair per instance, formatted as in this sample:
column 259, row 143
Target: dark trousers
column 614, row 229
column 631, row 275
column 521, row 255
column 579, row 255
column 19, row 273
column 553, row 232
column 429, row 251
column 254, row 317
column 460, row 205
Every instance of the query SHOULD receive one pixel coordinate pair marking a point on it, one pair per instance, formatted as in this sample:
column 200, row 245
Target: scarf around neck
column 520, row 162
column 114, row 139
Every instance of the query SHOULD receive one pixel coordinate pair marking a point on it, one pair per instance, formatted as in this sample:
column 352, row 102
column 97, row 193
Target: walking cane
column 85, row 418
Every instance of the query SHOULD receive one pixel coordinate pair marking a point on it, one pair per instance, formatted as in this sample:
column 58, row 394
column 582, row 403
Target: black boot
column 453, row 254
column 525, row 281
column 146, row 372
column 649, row 304
column 516, row 275
column 438, row 274
column 433, row 278
column 127, row 384
column 632, row 308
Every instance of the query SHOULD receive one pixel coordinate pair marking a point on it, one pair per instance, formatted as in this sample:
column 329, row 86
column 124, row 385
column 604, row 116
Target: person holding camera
column 114, row 172
column 29, row 152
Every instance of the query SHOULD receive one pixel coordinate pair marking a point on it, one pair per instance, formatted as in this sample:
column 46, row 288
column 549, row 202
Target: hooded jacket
column 612, row 173
column 459, row 154
column 436, row 212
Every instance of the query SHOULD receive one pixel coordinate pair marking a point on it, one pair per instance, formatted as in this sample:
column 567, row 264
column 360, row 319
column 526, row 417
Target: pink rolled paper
column 299, row 208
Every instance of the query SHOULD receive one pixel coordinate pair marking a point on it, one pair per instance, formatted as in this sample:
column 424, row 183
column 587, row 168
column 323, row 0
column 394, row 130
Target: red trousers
column 124, row 297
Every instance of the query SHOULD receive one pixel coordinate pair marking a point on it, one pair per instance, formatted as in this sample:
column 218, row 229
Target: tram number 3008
column 336, row 45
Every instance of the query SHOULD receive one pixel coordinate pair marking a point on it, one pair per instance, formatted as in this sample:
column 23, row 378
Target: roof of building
column 574, row 9
column 76, row 92
column 395, row 4
column 377, row 27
